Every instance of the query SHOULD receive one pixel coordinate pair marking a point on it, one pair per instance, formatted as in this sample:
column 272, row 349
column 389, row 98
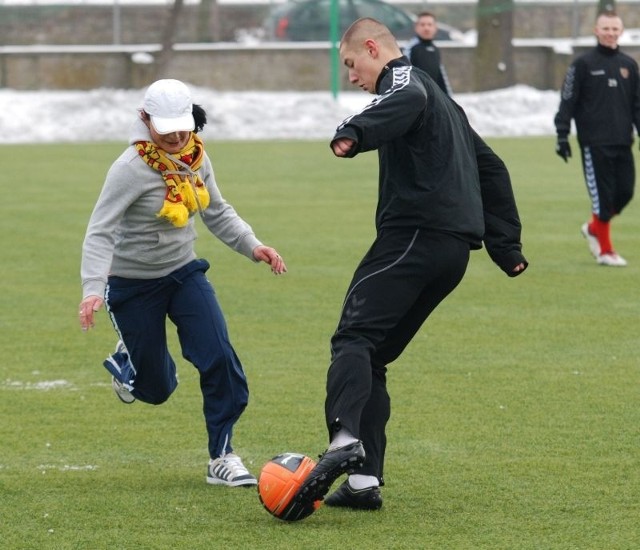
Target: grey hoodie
column 126, row 238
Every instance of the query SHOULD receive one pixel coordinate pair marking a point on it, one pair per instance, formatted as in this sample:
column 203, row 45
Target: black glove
column 563, row 149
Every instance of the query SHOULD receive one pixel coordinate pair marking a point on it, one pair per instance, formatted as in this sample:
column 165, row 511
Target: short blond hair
column 368, row 28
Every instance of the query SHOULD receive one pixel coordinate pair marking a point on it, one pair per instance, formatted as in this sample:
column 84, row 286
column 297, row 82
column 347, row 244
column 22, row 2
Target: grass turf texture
column 515, row 410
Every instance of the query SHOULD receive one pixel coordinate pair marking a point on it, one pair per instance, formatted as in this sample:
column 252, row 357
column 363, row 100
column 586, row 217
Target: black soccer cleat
column 296, row 511
column 332, row 464
column 358, row 499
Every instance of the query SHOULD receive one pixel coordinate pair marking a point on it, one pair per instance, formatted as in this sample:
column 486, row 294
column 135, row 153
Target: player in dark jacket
column 601, row 91
column 442, row 191
column 424, row 54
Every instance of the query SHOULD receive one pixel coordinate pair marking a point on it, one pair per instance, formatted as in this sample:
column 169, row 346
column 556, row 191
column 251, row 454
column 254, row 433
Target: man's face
column 608, row 30
column 363, row 65
column 426, row 27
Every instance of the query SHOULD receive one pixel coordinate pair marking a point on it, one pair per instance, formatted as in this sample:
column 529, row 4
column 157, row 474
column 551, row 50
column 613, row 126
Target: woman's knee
column 156, row 394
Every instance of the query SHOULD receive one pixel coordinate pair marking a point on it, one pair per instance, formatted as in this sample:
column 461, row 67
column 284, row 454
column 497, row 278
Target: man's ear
column 372, row 47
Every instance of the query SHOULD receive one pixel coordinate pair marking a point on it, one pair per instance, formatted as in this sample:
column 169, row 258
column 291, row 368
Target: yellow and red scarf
column 186, row 191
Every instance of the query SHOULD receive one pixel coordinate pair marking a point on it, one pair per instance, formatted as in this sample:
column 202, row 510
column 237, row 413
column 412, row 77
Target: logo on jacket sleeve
column 401, row 76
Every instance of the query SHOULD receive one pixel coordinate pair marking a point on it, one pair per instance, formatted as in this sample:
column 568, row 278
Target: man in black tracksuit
column 442, row 191
column 601, row 91
column 424, row 54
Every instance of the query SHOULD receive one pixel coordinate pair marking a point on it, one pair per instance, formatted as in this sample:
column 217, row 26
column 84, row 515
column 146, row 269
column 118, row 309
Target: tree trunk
column 494, row 66
column 168, row 40
column 208, row 29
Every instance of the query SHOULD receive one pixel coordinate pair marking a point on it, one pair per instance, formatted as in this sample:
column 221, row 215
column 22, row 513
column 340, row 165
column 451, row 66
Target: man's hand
column 563, row 149
column 342, row 146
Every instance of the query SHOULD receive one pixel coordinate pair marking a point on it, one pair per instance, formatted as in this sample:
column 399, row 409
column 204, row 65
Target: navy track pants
column 139, row 309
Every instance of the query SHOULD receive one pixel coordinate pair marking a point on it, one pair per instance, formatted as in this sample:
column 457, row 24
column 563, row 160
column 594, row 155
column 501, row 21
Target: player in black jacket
column 442, row 191
column 423, row 52
column 601, row 91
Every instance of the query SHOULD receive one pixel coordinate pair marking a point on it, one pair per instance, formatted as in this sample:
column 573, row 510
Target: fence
column 71, row 47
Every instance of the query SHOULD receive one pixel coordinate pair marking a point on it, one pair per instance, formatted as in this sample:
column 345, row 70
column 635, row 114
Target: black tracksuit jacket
column 436, row 173
column 601, row 91
column 425, row 55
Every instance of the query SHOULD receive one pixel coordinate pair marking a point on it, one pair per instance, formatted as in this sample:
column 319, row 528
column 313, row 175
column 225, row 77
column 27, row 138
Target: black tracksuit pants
column 609, row 172
column 405, row 274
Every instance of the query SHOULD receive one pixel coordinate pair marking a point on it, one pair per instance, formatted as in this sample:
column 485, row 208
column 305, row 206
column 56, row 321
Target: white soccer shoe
column 592, row 241
column 612, row 259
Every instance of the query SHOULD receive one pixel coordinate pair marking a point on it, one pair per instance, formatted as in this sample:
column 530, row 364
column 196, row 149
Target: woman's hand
column 270, row 256
column 87, row 308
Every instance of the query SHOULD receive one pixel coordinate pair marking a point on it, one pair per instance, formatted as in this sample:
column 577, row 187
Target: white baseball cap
column 169, row 104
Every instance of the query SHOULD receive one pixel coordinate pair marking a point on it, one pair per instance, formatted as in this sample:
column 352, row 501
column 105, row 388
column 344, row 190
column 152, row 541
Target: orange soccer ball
column 278, row 483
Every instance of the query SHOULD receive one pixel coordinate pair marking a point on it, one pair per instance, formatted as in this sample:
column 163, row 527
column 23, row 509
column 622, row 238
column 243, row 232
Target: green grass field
column 515, row 417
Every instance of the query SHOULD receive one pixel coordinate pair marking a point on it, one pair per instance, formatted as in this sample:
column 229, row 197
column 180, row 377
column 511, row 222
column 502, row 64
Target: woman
column 138, row 259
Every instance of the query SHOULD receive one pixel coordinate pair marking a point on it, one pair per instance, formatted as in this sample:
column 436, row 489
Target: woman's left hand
column 270, row 256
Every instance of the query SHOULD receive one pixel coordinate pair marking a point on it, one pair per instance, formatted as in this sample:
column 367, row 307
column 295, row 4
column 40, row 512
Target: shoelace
column 234, row 463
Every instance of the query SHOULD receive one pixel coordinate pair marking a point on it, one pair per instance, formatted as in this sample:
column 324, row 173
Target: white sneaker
column 230, row 471
column 120, row 347
column 122, row 393
column 612, row 259
column 592, row 241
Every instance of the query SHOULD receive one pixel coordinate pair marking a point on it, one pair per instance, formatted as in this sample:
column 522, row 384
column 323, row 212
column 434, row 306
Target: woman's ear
column 144, row 116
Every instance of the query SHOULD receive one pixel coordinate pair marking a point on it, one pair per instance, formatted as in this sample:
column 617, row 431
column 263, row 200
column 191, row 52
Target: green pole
column 334, row 18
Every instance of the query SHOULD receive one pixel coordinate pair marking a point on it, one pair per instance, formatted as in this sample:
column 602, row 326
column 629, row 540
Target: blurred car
column 308, row 20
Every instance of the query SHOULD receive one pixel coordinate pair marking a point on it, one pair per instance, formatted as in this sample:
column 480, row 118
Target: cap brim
column 168, row 125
